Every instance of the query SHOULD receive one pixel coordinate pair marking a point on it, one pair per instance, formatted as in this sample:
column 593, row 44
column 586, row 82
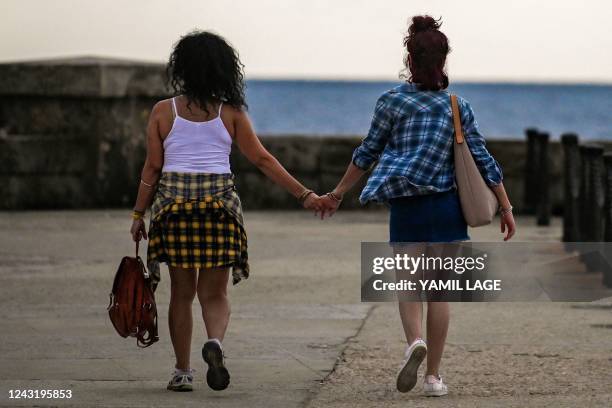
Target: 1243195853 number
column 40, row 394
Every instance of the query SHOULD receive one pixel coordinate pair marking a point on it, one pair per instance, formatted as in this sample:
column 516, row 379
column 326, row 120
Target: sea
column 503, row 110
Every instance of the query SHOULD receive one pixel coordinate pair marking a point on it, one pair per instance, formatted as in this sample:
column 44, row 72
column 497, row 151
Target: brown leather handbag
column 478, row 202
column 132, row 308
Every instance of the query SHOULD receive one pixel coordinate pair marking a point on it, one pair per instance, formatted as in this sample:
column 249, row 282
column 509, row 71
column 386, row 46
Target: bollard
column 584, row 194
column 607, row 157
column 531, row 164
column 592, row 204
column 542, row 196
column 607, row 265
column 595, row 200
column 571, row 220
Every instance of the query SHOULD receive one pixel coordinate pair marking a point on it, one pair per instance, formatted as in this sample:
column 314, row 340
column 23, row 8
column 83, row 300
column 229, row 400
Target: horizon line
column 335, row 77
column 457, row 80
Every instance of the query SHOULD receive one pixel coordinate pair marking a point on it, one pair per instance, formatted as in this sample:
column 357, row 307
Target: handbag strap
column 456, row 119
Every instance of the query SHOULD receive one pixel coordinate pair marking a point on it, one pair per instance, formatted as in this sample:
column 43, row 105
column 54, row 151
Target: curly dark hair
column 205, row 68
column 428, row 48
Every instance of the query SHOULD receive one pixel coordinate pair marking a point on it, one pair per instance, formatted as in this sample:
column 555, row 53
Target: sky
column 516, row 41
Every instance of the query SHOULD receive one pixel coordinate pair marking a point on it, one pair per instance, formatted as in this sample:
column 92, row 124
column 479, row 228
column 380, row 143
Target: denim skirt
column 435, row 217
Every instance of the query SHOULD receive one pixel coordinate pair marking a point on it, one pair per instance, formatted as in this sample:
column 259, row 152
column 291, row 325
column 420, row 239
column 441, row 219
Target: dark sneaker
column 217, row 376
column 407, row 376
column 181, row 381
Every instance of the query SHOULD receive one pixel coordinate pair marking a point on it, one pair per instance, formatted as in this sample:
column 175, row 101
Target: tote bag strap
column 456, row 119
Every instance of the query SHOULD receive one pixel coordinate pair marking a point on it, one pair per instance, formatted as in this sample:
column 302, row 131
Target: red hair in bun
column 427, row 47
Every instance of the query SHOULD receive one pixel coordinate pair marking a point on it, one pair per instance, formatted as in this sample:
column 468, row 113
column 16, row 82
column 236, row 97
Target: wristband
column 138, row 215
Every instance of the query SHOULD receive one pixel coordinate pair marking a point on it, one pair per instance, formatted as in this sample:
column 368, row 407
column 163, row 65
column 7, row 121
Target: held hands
column 312, row 202
column 329, row 204
column 324, row 205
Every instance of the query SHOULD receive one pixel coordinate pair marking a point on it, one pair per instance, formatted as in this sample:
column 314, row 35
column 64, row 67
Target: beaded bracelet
column 334, row 196
column 503, row 211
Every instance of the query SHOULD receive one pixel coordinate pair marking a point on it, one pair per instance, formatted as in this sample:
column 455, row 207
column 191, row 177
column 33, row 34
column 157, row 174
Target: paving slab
column 521, row 354
column 290, row 320
column 299, row 335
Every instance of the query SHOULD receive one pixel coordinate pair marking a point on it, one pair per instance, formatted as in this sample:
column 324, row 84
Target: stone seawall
column 321, row 161
column 72, row 135
column 74, row 172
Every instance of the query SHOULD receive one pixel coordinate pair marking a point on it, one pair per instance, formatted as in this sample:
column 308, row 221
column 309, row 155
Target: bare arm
column 502, row 196
column 330, row 203
column 150, row 172
column 364, row 157
column 348, row 181
column 250, row 145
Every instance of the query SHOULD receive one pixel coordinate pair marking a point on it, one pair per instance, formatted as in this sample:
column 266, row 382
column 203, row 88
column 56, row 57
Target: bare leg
column 212, row 293
column 411, row 314
column 180, row 320
column 438, row 314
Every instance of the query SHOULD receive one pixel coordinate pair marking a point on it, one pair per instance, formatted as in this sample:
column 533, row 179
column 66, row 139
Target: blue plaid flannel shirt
column 411, row 137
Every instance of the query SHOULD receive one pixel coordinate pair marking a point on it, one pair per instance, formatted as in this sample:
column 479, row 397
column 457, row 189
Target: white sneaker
column 182, row 380
column 434, row 386
column 407, row 376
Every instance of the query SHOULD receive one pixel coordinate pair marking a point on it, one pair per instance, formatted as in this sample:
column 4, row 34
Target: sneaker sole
column 217, row 376
column 435, row 393
column 180, row 388
column 407, row 377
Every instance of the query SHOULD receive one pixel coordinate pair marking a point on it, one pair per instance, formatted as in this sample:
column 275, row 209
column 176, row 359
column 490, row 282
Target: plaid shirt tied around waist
column 411, row 137
column 196, row 221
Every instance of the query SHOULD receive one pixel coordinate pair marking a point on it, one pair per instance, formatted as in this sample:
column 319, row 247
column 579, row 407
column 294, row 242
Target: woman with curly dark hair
column 196, row 222
column 411, row 143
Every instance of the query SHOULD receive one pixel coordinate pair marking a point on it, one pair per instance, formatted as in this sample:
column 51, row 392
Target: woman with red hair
column 411, row 140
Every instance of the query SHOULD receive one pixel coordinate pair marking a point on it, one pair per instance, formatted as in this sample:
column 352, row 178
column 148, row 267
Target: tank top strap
column 220, row 106
column 174, row 112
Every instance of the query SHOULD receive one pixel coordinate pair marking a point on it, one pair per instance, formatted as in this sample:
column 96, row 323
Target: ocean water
column 502, row 110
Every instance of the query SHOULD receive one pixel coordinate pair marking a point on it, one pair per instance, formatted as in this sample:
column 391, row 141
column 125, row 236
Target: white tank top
column 197, row 147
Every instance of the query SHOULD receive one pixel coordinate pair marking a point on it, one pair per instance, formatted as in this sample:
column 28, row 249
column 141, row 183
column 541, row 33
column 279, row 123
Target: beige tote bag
column 478, row 203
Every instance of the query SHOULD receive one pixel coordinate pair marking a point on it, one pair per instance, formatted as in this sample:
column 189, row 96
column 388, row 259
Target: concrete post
column 594, row 203
column 597, row 192
column 542, row 183
column 584, row 194
column 531, row 163
column 607, row 270
column 571, row 183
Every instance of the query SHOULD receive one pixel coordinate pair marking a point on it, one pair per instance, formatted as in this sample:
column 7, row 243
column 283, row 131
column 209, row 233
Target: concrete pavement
column 299, row 335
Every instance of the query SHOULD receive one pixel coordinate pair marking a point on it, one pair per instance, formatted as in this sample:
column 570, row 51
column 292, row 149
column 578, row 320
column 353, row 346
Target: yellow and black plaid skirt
column 196, row 222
